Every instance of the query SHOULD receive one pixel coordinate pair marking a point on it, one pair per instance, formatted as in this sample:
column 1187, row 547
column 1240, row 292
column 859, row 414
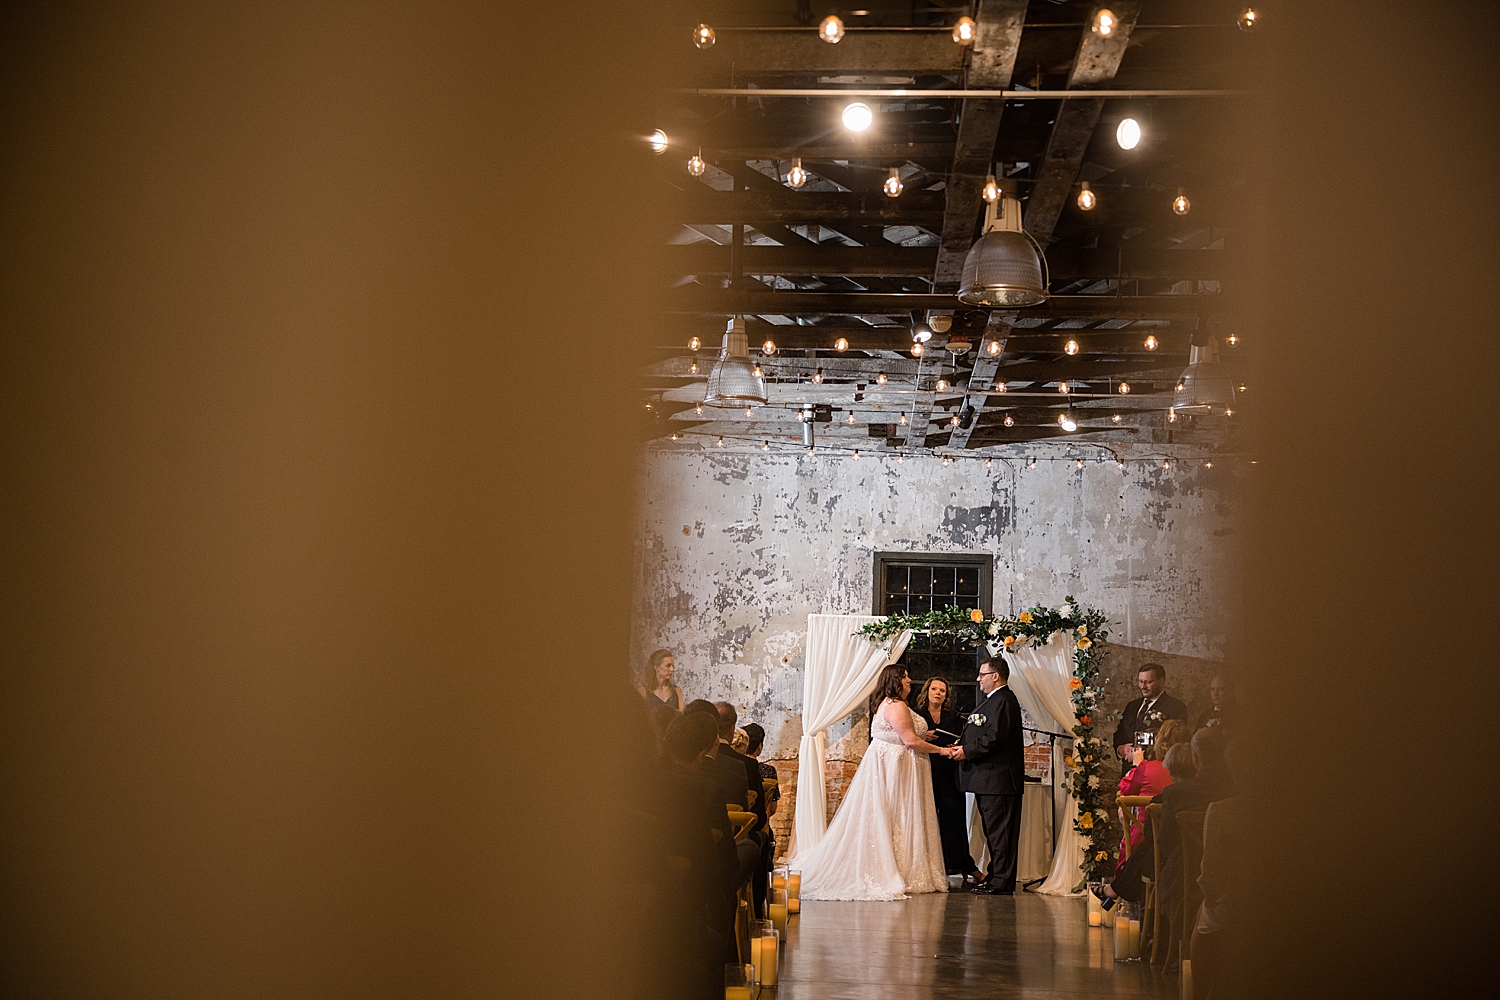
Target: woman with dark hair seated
column 757, row 743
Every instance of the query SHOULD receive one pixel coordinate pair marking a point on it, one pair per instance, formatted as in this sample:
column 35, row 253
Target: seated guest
column 1150, row 710
column 1179, row 763
column 934, row 705
column 1147, row 775
column 728, row 773
column 1221, row 694
column 755, row 738
column 657, row 687
column 740, row 742
column 1219, row 878
column 759, row 833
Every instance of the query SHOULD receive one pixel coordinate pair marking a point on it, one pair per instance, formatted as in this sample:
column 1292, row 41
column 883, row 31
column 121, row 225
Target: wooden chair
column 1190, row 829
column 1129, row 806
column 1153, row 904
column 741, row 820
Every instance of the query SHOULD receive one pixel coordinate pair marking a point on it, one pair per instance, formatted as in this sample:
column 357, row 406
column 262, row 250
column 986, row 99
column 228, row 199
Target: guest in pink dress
column 1146, row 775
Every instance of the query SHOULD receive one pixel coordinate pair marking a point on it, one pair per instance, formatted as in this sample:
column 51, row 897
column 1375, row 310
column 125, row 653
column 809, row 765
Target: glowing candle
column 1122, row 939
column 794, row 892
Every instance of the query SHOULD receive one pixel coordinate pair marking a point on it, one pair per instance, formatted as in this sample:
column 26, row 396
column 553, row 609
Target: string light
column 963, row 30
column 1151, row 343
column 942, row 385
column 809, row 450
column 1010, row 421
column 831, row 30
column 1166, row 463
column 1248, row 19
column 694, row 343
column 1172, row 415
column 1209, row 464
column 818, row 377
column 850, row 421
column 893, row 185
column 648, row 406
column 953, row 421
column 900, row 459
column 796, row 177
column 1232, row 340
column 768, row 348
column 759, row 373
column 1000, row 387
column 947, row 461
column 841, row 345
column 1105, row 23
column 991, row 189
column 1228, row 412
column 703, row 37
column 1179, row 387
column 1180, row 204
column 765, row 446
column 1121, row 463
column 721, row 442
column 1071, row 347
column 749, row 412
column 880, row 378
column 1031, row 463
column 902, row 421
column 857, row 116
column 1087, row 199
column 696, row 166
column 658, row 140
column 1080, row 463
column 856, row 454
column 693, row 368
column 1124, row 388
column 1116, row 418
column 699, row 408
column 674, row 435
column 1128, row 133
column 1067, row 423
column 994, row 348
column 1243, row 388
column 989, row 463
column 1062, row 387
column 917, row 350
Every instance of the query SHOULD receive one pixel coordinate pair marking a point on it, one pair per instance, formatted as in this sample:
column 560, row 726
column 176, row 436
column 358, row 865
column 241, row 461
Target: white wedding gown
column 883, row 842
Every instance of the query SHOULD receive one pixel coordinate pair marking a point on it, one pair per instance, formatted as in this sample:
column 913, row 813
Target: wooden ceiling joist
column 798, row 255
column 724, row 301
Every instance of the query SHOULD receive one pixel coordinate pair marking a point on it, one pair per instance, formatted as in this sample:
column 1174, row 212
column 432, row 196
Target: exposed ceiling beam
column 724, row 301
column 829, row 148
column 993, row 60
column 982, row 377
column 799, row 255
column 742, row 54
column 788, row 207
column 1096, row 63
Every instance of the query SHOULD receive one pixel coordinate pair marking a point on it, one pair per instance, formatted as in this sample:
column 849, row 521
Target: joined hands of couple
column 952, row 753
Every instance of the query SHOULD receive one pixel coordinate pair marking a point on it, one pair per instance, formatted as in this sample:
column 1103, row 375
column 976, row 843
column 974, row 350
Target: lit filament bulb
column 991, row 189
column 841, row 345
column 994, row 348
column 953, row 421
column 1062, row 387
column 1228, row 412
column 902, row 421
column 693, row 368
column 703, row 37
column 1179, row 387
column 1233, row 340
column 850, row 419
column 856, row 455
column 1010, row 421
column 916, row 350
column 893, row 185
column 989, row 463
column 1172, row 416
column 694, row 344
column 1087, row 199
column 765, row 446
column 880, row 379
column 818, row 377
column 947, row 460
column 1071, row 347
column 1031, row 463
column 900, row 459
column 963, row 30
column 749, row 412
column 1248, row 19
column 1000, row 386
column 769, row 347
column 1209, row 464
column 1079, row 463
column 1180, row 204
column 696, row 166
column 1150, row 343
column 942, row 385
column 699, row 409
column 831, row 30
column 1166, row 463
column 796, row 177
column 1120, row 463
column 674, row 435
column 1124, row 388
column 1105, row 22
column 758, row 373
column 721, row 442
column 1115, row 419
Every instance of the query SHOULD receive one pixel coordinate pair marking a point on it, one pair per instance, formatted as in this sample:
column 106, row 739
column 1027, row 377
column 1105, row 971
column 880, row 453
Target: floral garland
column 1087, row 629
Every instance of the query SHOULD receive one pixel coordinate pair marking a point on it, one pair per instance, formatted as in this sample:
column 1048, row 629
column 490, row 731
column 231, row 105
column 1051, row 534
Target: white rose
column 1093, row 781
column 994, row 628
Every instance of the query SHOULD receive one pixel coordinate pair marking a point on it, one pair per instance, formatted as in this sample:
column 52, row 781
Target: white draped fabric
column 1034, row 854
column 840, row 672
column 1039, row 677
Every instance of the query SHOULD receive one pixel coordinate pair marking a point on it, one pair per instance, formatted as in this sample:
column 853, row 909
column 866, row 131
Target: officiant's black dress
column 948, row 798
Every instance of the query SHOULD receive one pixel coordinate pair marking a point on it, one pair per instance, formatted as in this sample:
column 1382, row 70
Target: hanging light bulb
column 1232, row 340
column 841, row 345
column 1248, row 19
column 1067, row 423
column 858, row 116
column 809, row 450
column 1010, row 421
column 648, row 406
column 693, row 368
column 942, row 385
column 721, row 442
column 696, row 166
column 765, row 446
column 902, row 421
column 1124, row 388
column 1115, row 419
column 1105, row 22
column 920, row 333
column 759, row 373
column 1228, row 412
column 1062, row 387
column 917, row 350
column 1179, row 387
column 1151, row 343
column 831, row 30
column 658, row 140
column 991, row 189
column 1000, row 386
column 1120, row 462
column 994, row 348
column 953, row 421
column 674, row 435
column 796, row 177
column 1079, row 463
column 1172, row 415
column 818, row 377
column 768, row 348
column 947, row 460
column 1071, row 347
column 1180, row 204
column 703, row 37
column 893, row 185
column 1087, row 199
column 850, row 419
column 856, row 454
column 1128, row 133
column 699, row 408
column 1031, row 463
column 1209, row 464
column 1242, row 388
column 694, row 343
column 900, row 459
column 880, row 378
column 963, row 31
column 1166, row 463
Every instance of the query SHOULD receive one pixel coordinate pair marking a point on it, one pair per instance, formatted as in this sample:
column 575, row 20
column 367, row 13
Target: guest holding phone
column 933, row 705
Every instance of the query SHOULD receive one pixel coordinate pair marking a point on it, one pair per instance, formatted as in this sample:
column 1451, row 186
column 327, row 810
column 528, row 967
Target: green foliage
column 1086, row 630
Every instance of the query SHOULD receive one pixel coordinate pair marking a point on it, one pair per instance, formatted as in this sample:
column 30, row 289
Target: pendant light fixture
column 734, row 380
column 1005, row 267
column 857, row 116
column 1205, row 385
column 659, row 141
column 1128, row 133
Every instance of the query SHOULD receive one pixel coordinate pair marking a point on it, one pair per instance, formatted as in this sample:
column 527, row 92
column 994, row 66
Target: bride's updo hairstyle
column 887, row 686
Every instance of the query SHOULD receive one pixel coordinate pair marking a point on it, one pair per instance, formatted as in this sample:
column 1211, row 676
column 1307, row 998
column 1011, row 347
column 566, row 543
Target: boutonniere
column 977, row 719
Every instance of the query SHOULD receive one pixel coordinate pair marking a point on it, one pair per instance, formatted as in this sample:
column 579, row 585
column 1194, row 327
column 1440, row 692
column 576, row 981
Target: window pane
column 894, row 603
column 968, row 581
column 921, row 604
column 895, row 579
column 921, row 580
column 942, row 580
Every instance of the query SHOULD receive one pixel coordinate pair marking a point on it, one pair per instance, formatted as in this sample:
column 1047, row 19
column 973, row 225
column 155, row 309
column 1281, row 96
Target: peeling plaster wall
column 735, row 549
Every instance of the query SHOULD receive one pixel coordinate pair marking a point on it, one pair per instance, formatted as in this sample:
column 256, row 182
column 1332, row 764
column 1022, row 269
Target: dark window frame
column 983, row 560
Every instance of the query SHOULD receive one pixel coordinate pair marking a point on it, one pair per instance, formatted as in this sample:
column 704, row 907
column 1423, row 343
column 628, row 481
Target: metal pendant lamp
column 733, row 381
column 1006, row 268
column 1206, row 384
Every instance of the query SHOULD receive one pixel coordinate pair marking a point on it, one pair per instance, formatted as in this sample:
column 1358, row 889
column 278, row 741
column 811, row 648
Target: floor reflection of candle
column 769, row 957
column 1187, row 979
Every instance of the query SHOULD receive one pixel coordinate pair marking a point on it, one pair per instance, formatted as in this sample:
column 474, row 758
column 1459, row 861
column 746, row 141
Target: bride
column 883, row 842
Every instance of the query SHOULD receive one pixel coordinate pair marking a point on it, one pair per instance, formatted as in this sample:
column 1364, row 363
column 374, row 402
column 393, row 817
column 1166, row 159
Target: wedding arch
column 1054, row 656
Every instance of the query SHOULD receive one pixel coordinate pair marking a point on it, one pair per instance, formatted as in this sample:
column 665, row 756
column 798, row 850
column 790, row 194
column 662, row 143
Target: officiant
column 935, row 705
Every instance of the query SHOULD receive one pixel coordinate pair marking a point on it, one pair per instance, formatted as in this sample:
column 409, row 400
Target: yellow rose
column 1083, row 630
column 1101, row 856
column 1010, row 640
column 976, row 615
column 1074, row 684
column 1068, row 761
column 1084, row 644
column 1086, row 821
column 1024, row 618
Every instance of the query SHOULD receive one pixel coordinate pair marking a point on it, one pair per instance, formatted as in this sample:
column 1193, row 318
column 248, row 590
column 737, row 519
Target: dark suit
column 760, row 834
column 730, row 777
column 1133, row 720
column 995, row 758
column 751, row 767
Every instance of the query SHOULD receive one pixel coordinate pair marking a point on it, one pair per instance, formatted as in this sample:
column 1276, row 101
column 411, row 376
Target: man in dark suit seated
column 760, row 834
column 1149, row 711
column 730, row 775
column 995, row 756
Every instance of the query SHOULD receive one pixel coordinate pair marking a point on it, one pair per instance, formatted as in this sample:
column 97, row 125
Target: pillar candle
column 777, row 913
column 770, row 955
column 1187, row 979
column 755, row 959
column 1096, row 913
column 736, row 993
column 794, row 892
column 1135, row 938
column 1122, row 939
column 778, row 881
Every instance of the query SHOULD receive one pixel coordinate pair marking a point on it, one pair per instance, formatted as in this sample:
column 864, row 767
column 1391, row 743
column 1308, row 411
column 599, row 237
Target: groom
column 997, row 771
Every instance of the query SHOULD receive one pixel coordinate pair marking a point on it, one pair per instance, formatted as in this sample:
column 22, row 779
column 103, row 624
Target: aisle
column 945, row 947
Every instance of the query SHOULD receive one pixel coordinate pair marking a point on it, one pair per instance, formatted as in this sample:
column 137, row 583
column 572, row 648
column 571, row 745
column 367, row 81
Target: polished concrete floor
column 945, row 947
